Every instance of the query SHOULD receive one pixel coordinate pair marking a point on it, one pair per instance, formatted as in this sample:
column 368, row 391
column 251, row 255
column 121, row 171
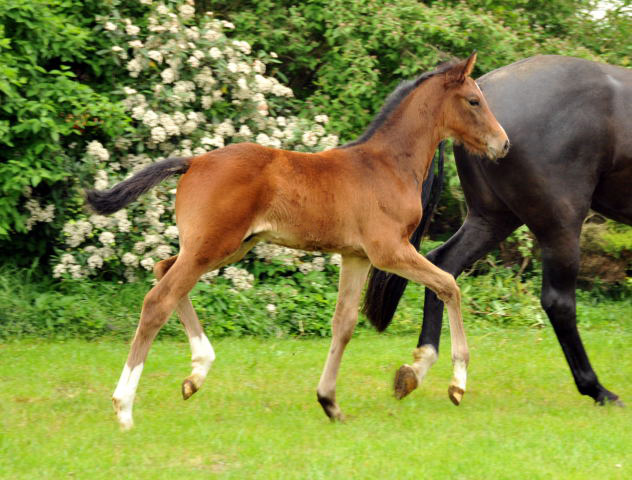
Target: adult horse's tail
column 109, row 201
column 385, row 289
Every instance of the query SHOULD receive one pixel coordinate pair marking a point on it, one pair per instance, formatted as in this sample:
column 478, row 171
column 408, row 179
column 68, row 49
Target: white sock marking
column 202, row 356
column 124, row 394
column 425, row 357
column 460, row 374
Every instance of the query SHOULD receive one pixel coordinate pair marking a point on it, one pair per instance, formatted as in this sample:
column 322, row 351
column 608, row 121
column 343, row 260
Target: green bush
column 47, row 51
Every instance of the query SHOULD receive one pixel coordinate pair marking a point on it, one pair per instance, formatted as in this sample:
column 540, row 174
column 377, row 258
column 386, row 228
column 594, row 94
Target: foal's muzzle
column 498, row 150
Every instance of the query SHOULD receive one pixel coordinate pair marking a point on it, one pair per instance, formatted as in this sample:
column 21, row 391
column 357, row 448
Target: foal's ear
column 469, row 65
column 457, row 74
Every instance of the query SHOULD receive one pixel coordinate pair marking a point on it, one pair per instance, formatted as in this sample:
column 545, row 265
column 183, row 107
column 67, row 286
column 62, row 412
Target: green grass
column 257, row 415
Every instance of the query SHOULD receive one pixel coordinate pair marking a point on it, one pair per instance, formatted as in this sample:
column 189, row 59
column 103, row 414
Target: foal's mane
column 394, row 99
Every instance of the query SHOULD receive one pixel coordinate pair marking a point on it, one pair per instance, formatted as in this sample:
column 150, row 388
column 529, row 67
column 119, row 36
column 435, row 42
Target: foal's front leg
column 406, row 262
column 353, row 275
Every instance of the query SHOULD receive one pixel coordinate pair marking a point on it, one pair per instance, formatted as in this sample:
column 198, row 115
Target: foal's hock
column 361, row 200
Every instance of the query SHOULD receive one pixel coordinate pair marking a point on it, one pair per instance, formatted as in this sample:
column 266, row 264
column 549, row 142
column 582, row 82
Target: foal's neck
column 408, row 139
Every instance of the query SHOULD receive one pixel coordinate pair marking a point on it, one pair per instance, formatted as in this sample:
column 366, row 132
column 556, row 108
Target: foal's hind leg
column 202, row 353
column 406, row 262
column 157, row 306
column 353, row 275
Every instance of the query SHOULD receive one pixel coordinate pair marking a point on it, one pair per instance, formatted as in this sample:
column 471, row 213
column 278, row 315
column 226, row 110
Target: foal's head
column 466, row 117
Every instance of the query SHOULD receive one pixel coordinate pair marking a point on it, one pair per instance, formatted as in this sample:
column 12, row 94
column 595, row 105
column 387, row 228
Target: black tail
column 112, row 200
column 385, row 289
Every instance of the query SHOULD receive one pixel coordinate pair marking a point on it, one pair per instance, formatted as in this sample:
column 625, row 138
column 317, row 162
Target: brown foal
column 361, row 200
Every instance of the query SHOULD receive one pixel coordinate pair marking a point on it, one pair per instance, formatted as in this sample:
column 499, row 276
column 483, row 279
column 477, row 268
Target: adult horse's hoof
column 607, row 397
column 405, row 381
column 188, row 389
column 456, row 394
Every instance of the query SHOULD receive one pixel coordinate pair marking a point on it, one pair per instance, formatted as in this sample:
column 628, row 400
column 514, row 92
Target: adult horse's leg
column 560, row 265
column 476, row 237
column 157, row 306
column 405, row 261
column 353, row 275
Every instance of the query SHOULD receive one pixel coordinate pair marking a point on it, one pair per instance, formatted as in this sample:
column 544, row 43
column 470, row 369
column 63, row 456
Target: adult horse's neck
column 408, row 138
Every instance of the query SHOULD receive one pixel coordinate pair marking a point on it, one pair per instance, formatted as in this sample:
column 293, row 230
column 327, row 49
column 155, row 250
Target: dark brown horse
column 571, row 151
column 362, row 201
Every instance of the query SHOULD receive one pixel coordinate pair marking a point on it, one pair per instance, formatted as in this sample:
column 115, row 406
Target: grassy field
column 257, row 415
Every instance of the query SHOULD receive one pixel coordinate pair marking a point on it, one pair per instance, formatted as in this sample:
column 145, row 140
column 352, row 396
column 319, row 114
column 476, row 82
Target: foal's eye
column 474, row 102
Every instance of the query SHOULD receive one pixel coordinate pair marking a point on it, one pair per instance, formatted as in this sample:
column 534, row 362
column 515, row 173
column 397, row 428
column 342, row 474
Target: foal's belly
column 309, row 238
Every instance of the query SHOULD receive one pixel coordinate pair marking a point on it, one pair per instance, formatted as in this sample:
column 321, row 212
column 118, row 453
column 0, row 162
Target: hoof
column 331, row 408
column 405, row 381
column 125, row 420
column 188, row 389
column 456, row 394
column 609, row 398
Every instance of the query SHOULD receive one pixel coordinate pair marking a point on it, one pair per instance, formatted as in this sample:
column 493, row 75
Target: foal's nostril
column 506, row 147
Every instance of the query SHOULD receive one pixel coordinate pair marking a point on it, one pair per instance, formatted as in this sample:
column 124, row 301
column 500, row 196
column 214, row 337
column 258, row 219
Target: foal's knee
column 447, row 289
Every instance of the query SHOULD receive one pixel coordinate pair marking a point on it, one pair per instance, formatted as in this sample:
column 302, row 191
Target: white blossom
column 130, row 259
column 209, row 276
column 186, row 11
column 155, row 55
column 309, row 139
column 99, row 221
column 147, row 263
column 101, row 180
column 245, row 131
column 171, row 232
column 95, row 261
column 38, row 213
column 241, row 279
column 158, row 134
column 336, row 259
column 97, row 150
column 59, row 270
column 168, row 75
column 163, row 251
column 132, row 29
column 106, row 238
column 134, row 66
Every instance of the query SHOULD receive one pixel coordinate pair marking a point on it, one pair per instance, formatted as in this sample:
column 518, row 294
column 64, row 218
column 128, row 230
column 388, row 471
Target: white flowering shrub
column 191, row 89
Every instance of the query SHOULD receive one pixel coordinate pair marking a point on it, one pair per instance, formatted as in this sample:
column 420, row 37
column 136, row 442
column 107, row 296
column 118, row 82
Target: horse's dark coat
column 570, row 126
